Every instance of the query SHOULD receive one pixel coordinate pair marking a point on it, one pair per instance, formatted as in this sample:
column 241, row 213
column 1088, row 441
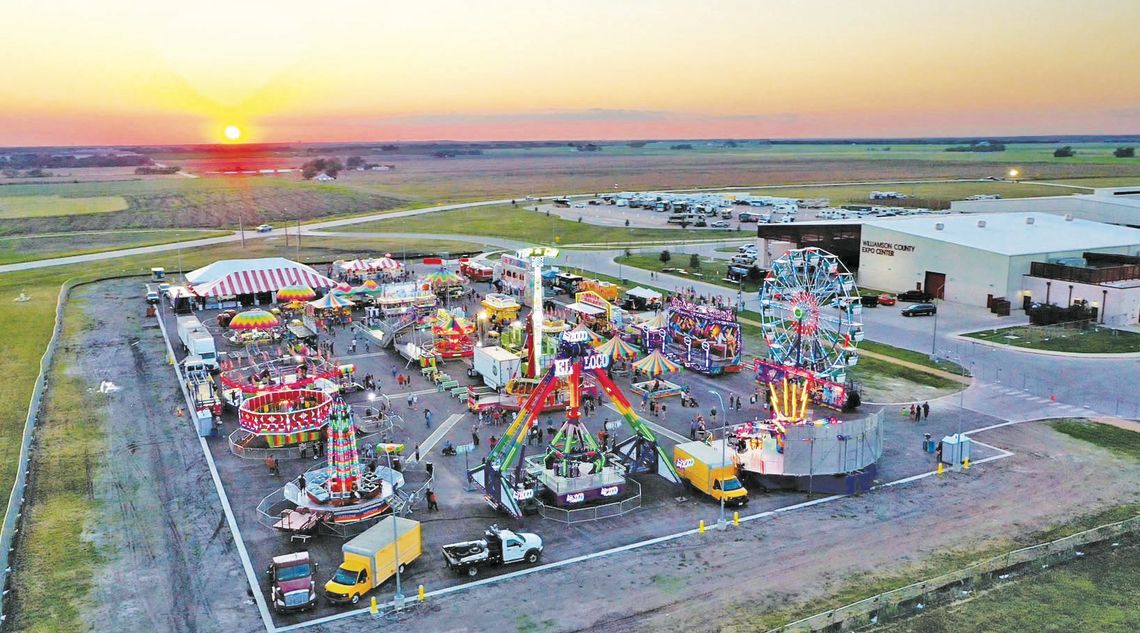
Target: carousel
column 279, row 419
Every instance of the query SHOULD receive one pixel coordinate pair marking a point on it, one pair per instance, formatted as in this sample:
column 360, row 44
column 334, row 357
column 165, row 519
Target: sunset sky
column 123, row 71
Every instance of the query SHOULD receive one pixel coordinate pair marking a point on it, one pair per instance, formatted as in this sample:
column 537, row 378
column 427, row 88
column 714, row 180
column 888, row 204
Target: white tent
column 231, row 277
column 644, row 293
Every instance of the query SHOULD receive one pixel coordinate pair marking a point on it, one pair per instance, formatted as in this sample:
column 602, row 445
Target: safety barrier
column 915, row 598
column 593, row 513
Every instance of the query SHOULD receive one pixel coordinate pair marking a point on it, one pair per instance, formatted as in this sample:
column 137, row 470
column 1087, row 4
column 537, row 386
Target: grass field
column 711, row 271
column 917, row 358
column 864, row 586
column 52, row 205
column 516, row 223
column 22, row 249
column 55, row 559
column 1095, row 593
column 1120, row 441
column 212, row 203
column 1097, row 340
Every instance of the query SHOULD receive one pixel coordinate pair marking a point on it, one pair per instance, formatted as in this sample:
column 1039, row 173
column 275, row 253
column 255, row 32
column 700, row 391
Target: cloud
column 551, row 117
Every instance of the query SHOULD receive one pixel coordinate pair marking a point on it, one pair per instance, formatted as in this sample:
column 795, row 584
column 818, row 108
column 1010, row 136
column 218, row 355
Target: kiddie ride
column 265, row 373
column 794, row 450
column 342, row 491
column 573, row 470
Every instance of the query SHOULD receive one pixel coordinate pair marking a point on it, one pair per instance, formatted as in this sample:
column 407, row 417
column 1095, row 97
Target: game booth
column 444, row 283
column 703, row 338
column 396, row 299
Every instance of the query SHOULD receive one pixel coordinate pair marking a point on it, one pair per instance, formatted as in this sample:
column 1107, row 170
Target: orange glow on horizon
column 123, row 72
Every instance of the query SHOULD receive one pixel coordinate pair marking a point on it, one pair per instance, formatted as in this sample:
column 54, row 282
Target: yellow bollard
column 421, row 593
column 940, row 468
column 736, row 518
column 966, row 464
column 373, row 608
column 701, row 526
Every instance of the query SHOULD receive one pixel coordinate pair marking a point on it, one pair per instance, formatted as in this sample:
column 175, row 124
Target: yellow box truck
column 706, row 468
column 372, row 558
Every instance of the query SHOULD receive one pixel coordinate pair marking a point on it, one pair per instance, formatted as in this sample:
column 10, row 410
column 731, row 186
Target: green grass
column 871, row 371
column 1096, row 340
column 528, row 226
column 41, row 206
column 1095, row 593
column 23, row 249
column 1120, row 441
column 863, row 586
column 917, row 358
column 711, row 271
column 57, row 563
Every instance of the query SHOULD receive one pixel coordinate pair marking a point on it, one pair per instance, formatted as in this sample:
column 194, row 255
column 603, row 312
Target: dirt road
column 170, row 564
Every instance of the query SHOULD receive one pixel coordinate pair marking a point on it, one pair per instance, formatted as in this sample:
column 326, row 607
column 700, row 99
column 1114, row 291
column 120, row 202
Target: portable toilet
column 157, row 274
column 955, row 449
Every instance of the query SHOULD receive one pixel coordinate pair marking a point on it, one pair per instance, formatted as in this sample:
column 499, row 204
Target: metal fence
column 16, row 499
column 593, row 513
column 913, row 599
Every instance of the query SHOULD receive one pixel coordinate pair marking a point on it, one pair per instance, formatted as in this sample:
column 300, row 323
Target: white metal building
column 1114, row 205
column 968, row 258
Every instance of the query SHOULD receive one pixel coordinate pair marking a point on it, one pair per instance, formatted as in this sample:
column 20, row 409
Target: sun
column 232, row 132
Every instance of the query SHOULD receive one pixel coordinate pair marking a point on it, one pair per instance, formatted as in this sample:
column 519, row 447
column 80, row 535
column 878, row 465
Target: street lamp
column 721, row 523
column 399, row 597
column 1014, row 173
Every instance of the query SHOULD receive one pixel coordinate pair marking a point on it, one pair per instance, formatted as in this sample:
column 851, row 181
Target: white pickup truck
column 497, row 547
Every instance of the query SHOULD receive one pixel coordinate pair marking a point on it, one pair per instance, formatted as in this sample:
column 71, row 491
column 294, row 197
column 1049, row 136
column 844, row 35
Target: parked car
column 869, row 301
column 915, row 296
column 886, row 300
column 721, row 224
column 264, row 228
column 920, row 309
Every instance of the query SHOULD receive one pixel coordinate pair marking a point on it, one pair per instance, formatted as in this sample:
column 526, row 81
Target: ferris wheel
column 811, row 315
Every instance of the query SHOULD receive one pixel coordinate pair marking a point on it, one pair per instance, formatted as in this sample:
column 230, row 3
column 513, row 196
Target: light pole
column 721, row 523
column 934, row 336
column 399, row 597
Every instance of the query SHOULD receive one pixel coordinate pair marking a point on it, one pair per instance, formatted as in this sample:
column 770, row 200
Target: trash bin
column 430, row 468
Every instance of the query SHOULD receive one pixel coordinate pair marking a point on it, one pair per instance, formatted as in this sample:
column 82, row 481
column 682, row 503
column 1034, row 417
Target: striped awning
column 237, row 277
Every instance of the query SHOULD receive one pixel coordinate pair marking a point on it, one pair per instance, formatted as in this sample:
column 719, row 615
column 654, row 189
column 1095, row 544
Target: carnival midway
column 370, row 413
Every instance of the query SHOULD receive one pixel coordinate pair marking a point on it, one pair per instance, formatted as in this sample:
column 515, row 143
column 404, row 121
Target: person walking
column 926, row 410
column 427, row 418
column 411, row 401
column 433, row 502
column 394, row 370
column 416, row 455
column 693, row 429
column 271, row 464
column 474, row 436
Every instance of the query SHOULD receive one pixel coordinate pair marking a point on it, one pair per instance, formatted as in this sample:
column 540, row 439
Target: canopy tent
column 617, row 349
column 656, row 364
column 644, row 293
column 230, row 277
column 369, row 286
column 585, row 309
column 290, row 294
column 386, row 263
column 443, row 278
column 331, row 301
column 658, row 322
column 254, row 320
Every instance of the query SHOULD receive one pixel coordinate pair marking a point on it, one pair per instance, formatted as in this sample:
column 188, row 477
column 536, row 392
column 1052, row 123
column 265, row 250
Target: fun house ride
column 573, row 469
column 702, row 338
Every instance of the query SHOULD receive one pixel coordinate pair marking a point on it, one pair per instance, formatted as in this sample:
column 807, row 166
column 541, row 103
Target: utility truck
column 497, row 547
column 373, row 557
column 706, row 467
column 197, row 340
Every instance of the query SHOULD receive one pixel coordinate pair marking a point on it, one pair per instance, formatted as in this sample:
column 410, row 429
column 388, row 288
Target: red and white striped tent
column 231, row 277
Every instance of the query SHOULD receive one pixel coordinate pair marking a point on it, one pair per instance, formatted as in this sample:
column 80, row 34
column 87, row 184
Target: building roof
column 243, row 276
column 1014, row 233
